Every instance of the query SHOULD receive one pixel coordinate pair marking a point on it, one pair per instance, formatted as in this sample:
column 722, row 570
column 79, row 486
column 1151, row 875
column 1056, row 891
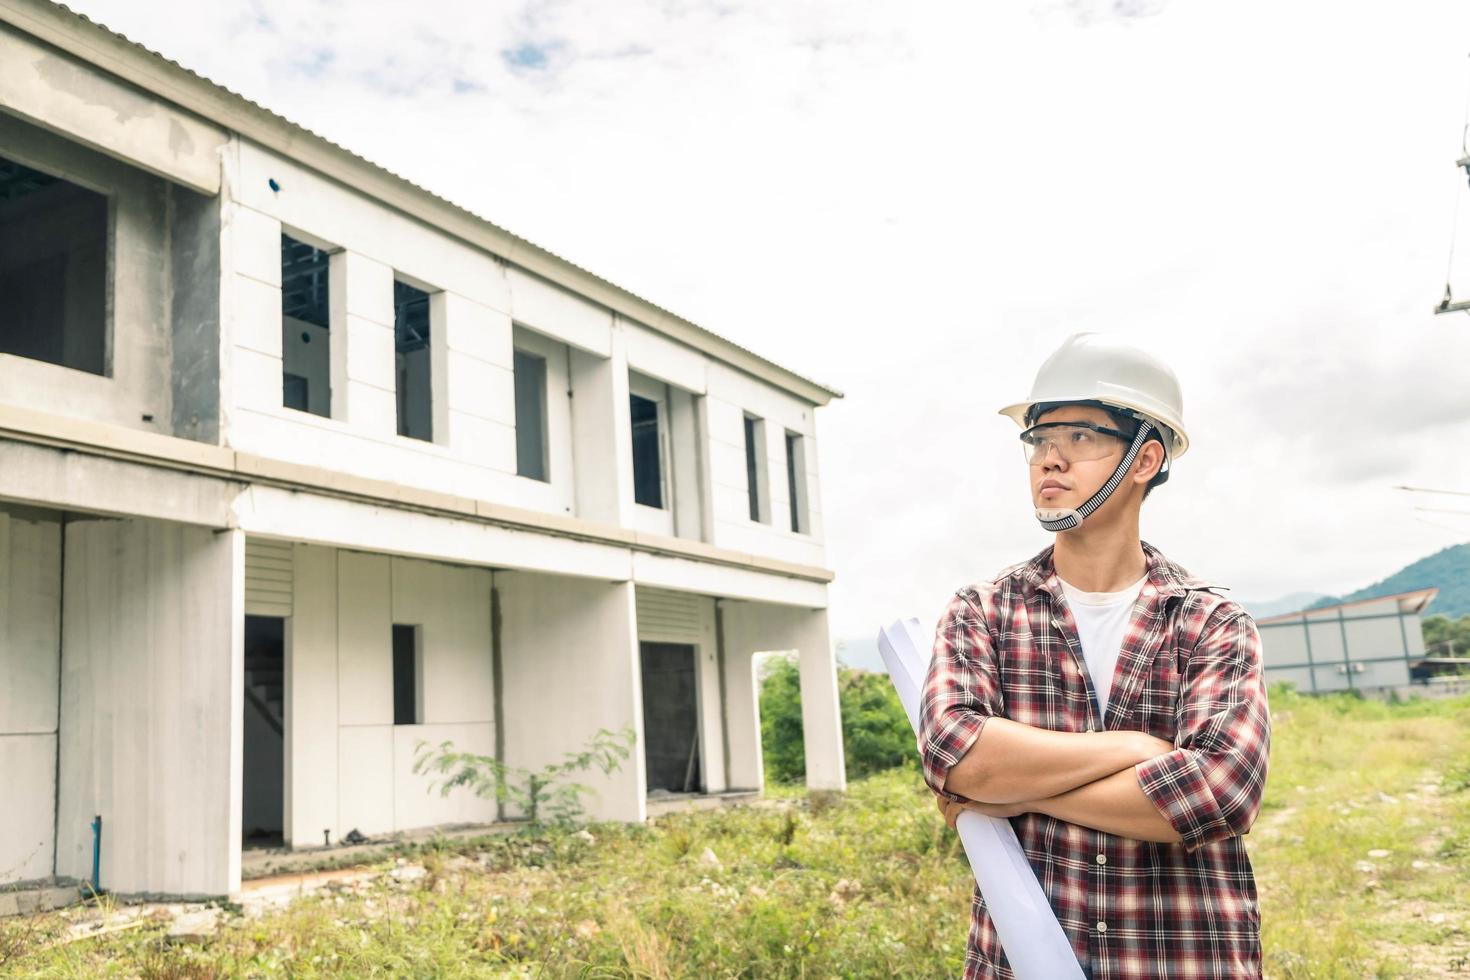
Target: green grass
column 872, row 886
column 1348, row 778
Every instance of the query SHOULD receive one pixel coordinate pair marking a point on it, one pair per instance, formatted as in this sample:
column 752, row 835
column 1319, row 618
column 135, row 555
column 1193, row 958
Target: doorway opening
column 671, row 718
column 265, row 741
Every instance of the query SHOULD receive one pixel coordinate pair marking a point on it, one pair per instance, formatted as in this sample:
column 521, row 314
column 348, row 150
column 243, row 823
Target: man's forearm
column 1115, row 805
column 1011, row 762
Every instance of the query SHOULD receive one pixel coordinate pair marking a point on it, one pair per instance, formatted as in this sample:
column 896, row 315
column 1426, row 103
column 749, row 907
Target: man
column 1104, row 699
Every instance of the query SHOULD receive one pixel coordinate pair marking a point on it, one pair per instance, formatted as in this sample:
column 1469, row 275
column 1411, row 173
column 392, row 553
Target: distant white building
column 301, row 465
column 1361, row 645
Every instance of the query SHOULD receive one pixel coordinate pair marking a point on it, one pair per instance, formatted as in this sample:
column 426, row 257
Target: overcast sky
column 916, row 202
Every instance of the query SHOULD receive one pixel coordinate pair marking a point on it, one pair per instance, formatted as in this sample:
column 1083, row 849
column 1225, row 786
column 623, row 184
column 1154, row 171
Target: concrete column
column 152, row 693
column 30, row 647
column 742, row 722
column 569, row 656
column 821, row 711
column 749, row 628
column 364, row 377
column 311, row 699
column 478, row 397
column 602, row 439
column 250, row 309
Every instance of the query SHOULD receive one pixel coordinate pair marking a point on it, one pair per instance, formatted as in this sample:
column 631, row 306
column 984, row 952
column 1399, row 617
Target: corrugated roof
column 297, row 129
column 1413, row 601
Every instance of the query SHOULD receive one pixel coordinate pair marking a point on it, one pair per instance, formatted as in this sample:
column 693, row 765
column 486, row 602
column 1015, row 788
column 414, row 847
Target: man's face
column 1057, row 482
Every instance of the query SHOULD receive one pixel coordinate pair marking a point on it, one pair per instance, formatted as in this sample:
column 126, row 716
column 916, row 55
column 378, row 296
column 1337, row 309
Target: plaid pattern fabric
column 1189, row 672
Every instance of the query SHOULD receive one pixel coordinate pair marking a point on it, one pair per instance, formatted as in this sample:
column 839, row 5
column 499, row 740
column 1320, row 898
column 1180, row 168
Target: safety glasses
column 1073, row 441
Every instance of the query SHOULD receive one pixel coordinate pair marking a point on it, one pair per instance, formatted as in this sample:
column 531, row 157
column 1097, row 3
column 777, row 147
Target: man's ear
column 1149, row 461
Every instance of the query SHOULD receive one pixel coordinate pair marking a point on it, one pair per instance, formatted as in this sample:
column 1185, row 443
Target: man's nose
column 1053, row 459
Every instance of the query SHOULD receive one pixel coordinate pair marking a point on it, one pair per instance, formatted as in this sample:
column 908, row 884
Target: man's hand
column 953, row 808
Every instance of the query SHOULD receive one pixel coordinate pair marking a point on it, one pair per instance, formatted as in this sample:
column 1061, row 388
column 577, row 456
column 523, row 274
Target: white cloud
column 917, row 202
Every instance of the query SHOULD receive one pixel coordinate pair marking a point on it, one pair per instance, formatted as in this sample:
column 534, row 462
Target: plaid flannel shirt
column 1189, row 672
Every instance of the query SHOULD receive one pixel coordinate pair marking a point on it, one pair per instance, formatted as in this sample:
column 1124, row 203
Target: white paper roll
column 1033, row 940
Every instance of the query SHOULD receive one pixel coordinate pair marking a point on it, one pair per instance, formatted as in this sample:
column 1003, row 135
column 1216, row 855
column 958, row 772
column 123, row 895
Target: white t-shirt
column 1102, row 619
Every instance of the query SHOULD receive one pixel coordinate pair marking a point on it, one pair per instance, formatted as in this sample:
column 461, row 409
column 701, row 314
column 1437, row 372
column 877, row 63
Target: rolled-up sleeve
column 961, row 690
column 1210, row 787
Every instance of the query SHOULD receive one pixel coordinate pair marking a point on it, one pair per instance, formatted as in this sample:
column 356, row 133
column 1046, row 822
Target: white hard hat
column 1091, row 367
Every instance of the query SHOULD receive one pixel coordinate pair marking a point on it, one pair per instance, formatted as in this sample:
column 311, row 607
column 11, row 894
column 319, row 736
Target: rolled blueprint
column 1034, row 942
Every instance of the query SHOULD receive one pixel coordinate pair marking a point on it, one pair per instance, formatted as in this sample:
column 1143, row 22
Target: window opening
column 306, row 365
column 264, row 744
column 53, row 270
column 755, row 456
column 407, row 674
column 648, row 480
column 530, row 395
column 796, row 481
column 411, row 340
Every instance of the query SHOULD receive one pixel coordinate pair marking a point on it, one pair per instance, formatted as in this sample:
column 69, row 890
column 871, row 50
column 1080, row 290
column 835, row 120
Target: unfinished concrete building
column 302, row 465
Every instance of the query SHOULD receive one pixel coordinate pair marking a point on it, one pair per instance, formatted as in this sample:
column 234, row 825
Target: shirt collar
column 1164, row 577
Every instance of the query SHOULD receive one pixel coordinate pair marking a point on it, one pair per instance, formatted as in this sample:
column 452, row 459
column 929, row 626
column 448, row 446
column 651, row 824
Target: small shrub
column 544, row 795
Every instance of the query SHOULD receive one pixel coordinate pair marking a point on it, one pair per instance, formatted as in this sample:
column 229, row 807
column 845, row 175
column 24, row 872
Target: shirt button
column 1102, row 859
column 1102, row 927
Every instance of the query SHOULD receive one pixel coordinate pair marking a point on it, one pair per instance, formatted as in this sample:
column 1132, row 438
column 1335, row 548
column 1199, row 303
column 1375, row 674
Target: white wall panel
column 332, row 212
column 370, row 356
column 311, row 698
column 152, row 706
column 492, row 445
column 569, row 652
column 416, row 801
column 364, row 639
column 659, row 357
column 363, row 287
column 477, row 330
column 258, row 318
column 683, row 574
column 559, row 313
column 30, row 621
column 28, row 819
column 452, row 605
column 255, row 243
column 320, row 520
column 481, row 388
column 365, row 779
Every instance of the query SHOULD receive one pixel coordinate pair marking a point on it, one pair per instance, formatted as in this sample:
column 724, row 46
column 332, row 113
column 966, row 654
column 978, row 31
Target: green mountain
column 1447, row 570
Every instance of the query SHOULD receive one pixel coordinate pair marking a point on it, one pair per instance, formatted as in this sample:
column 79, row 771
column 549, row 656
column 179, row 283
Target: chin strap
column 1066, row 518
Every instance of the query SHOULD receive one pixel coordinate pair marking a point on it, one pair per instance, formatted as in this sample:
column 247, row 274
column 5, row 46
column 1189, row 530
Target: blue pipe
column 97, row 854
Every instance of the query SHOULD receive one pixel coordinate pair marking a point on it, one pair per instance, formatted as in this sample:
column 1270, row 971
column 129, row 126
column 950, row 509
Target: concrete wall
column 349, row 766
column 30, row 648
column 569, row 655
column 151, row 705
column 748, row 628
